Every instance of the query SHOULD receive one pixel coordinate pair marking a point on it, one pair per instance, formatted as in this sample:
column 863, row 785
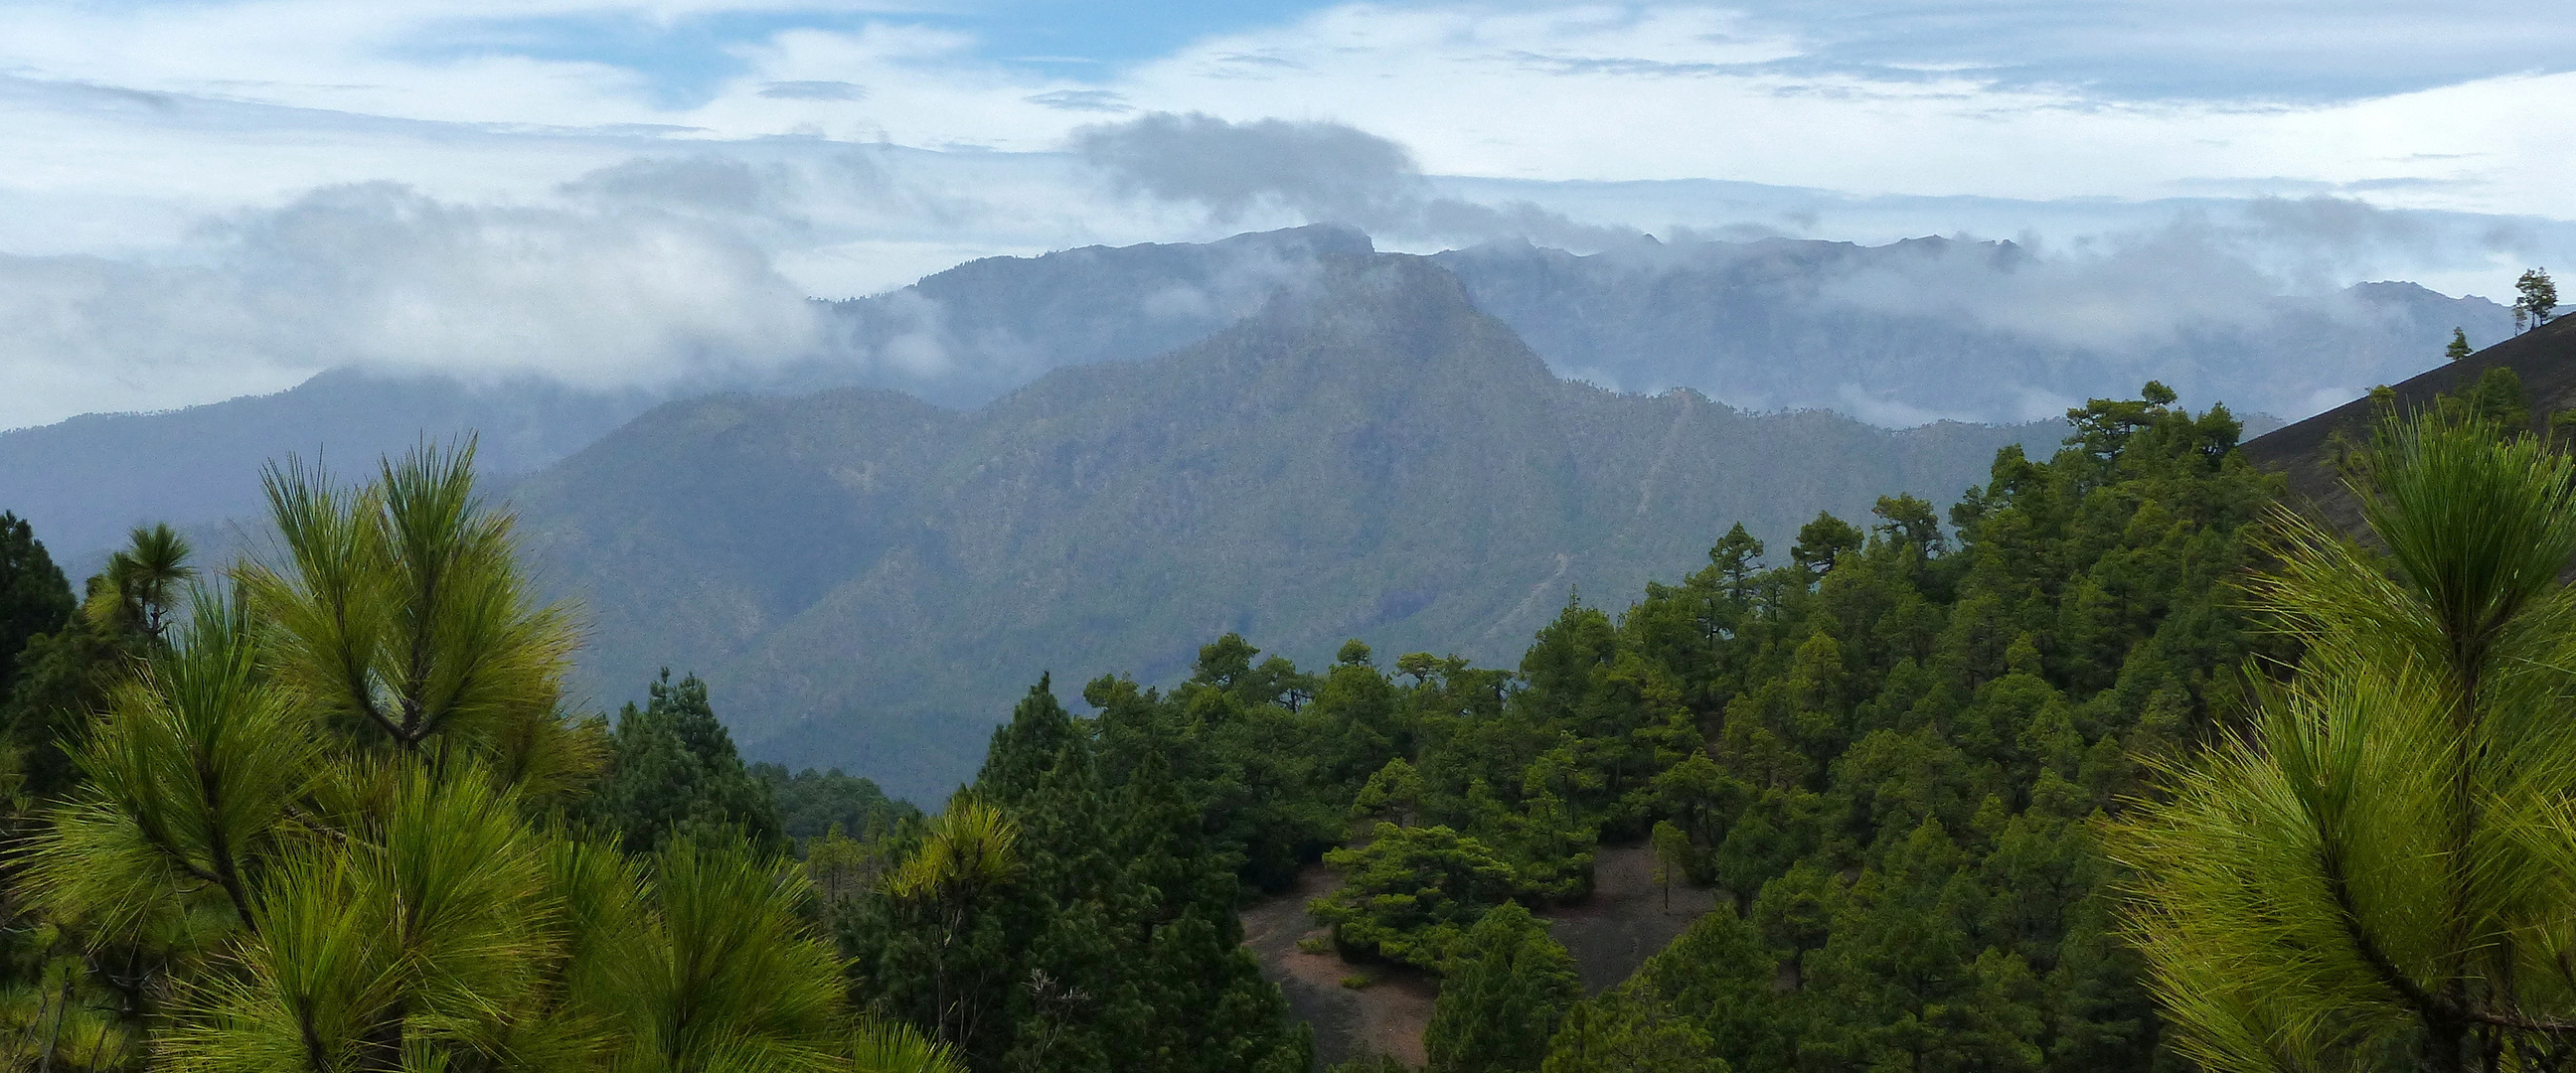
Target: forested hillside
column 1888, row 752
column 265, row 810
column 1888, row 746
column 1369, row 458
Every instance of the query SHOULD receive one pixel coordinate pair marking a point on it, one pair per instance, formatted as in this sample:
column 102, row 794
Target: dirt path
column 1387, row 1016
column 1610, row 934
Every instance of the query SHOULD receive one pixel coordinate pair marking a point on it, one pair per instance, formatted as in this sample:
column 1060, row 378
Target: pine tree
column 1611, row 1037
column 1504, row 990
column 673, row 769
column 1672, row 856
column 2459, row 347
column 34, row 598
column 142, row 581
column 66, row 677
column 321, row 828
column 2535, row 298
column 1822, row 542
column 1105, row 936
column 2357, row 879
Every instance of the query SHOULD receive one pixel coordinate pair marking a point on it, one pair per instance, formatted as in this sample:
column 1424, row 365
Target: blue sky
column 770, row 149
column 688, row 58
column 2214, row 50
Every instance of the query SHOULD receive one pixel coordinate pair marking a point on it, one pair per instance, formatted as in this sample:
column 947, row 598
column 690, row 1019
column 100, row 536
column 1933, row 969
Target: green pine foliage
column 2376, row 873
column 1890, row 756
column 673, row 771
column 1410, row 893
column 1507, row 987
column 1712, row 992
column 811, row 803
column 1901, row 747
column 64, row 676
column 34, row 598
column 322, row 813
column 1074, row 909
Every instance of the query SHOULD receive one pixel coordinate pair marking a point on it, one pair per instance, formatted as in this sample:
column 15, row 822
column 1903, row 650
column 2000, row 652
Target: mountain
column 83, row 482
column 868, row 580
column 1898, row 335
column 983, row 329
column 2543, row 359
column 960, row 338
column 1930, row 328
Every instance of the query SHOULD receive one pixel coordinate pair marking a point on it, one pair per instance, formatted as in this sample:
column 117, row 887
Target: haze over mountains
column 1932, row 328
column 1896, row 335
column 1095, row 460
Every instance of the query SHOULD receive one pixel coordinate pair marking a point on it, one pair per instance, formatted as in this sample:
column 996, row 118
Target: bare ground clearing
column 1623, row 923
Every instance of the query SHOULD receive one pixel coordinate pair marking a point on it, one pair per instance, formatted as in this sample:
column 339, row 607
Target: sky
column 218, row 197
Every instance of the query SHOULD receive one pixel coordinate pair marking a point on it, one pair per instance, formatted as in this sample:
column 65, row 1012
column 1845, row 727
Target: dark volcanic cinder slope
column 870, row 583
column 2544, row 358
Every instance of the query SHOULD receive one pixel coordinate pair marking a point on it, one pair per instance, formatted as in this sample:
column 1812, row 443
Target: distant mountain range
column 1939, row 329
column 1096, row 460
column 1896, row 335
column 960, row 338
column 869, row 580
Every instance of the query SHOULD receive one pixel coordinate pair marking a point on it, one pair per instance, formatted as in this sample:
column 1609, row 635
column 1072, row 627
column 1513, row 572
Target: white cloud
column 566, row 209
column 382, row 277
column 1671, row 94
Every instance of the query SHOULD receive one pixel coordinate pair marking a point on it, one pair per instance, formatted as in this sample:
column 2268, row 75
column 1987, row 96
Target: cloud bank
column 382, row 277
column 222, row 197
column 666, row 270
column 1314, row 172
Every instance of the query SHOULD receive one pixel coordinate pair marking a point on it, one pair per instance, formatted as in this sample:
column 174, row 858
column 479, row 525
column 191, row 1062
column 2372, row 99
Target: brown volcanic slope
column 2545, row 359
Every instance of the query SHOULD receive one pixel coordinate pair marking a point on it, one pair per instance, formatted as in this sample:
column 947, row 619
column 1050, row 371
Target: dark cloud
column 1326, row 171
column 1323, row 172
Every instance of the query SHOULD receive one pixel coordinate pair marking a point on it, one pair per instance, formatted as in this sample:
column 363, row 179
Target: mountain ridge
column 1374, row 457
column 1770, row 325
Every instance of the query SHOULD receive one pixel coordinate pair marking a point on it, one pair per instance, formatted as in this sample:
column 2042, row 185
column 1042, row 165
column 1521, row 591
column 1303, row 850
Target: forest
column 2115, row 766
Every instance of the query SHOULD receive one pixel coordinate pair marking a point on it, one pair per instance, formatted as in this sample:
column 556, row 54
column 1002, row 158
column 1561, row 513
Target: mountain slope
column 869, row 581
column 2544, row 359
column 84, row 481
column 960, row 338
